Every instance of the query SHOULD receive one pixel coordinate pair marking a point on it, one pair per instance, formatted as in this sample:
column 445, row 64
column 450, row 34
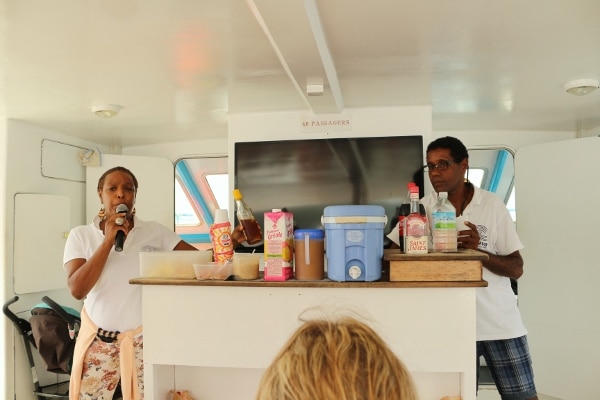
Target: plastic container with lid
column 309, row 249
column 354, row 241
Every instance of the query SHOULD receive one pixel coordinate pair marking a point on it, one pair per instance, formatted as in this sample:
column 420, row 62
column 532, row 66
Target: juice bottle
column 252, row 231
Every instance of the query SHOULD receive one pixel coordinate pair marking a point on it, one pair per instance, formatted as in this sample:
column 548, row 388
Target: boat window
column 201, row 187
column 493, row 169
column 476, row 175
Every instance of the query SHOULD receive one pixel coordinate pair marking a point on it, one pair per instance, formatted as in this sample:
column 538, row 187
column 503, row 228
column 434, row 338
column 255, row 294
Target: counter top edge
column 307, row 284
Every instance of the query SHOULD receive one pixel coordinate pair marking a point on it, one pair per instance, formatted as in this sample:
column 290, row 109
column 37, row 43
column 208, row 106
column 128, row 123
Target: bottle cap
column 221, row 215
column 237, row 195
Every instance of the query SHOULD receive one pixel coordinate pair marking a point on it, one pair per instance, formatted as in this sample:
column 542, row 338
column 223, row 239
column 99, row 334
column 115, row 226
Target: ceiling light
column 106, row 110
column 581, row 87
column 314, row 89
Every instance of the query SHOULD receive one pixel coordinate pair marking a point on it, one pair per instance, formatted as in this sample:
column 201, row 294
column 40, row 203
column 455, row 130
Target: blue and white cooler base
column 354, row 242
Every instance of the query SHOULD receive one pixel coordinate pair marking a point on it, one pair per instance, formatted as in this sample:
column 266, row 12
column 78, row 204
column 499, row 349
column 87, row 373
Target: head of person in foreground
column 341, row 359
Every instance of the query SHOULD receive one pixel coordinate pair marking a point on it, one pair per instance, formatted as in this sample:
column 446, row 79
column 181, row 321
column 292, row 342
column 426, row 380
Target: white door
column 559, row 223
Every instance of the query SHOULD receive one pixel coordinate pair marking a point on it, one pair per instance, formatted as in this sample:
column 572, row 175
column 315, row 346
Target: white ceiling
column 178, row 67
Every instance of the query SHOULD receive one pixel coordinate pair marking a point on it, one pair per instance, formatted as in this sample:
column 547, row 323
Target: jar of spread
column 309, row 253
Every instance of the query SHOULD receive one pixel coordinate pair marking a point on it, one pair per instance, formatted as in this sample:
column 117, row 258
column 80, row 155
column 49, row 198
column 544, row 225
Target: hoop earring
column 101, row 213
column 133, row 211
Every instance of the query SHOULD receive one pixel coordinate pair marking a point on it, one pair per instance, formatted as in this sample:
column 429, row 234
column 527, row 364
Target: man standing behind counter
column 487, row 227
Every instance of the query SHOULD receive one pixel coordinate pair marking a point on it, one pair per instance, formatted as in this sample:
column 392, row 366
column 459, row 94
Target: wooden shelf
column 461, row 266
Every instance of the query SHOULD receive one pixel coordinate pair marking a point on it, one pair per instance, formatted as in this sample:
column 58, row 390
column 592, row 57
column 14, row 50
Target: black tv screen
column 305, row 176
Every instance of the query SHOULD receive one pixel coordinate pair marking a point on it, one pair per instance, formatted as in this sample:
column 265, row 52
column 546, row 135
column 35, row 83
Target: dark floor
column 484, row 376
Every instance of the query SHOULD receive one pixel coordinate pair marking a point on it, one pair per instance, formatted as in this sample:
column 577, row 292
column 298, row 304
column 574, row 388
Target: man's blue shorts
column 509, row 363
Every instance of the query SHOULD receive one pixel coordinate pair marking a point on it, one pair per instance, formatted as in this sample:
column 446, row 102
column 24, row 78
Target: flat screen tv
column 304, row 176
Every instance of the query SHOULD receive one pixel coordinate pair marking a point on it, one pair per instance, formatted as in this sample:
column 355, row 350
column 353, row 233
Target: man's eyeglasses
column 441, row 165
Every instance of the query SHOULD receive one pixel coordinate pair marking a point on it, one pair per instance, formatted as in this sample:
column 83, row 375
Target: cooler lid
column 353, row 214
column 358, row 210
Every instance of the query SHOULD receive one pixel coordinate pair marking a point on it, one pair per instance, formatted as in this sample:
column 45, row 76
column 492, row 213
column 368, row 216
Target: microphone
column 120, row 238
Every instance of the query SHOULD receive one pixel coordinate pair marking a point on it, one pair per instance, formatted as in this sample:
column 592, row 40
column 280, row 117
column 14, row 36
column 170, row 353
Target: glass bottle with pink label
column 415, row 227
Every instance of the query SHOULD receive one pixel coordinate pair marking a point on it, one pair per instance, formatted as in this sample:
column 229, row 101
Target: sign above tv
column 326, row 123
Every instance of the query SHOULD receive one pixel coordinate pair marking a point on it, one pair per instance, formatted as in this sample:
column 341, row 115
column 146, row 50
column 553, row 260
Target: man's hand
column 468, row 238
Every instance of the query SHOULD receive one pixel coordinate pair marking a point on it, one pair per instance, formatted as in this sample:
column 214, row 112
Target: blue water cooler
column 354, row 242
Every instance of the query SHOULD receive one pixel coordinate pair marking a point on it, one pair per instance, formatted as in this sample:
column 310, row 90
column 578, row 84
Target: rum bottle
column 404, row 211
column 415, row 227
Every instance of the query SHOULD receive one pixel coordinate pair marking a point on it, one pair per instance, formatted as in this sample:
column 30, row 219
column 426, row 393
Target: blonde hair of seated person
column 343, row 359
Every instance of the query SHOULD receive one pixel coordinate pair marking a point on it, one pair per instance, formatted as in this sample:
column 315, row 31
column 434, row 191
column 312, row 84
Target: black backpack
column 54, row 329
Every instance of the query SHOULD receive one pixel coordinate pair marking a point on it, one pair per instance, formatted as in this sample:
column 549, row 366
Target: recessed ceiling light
column 581, row 87
column 106, row 110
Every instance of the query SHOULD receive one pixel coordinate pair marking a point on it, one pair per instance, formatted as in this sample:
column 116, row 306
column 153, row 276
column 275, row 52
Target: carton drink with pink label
column 279, row 245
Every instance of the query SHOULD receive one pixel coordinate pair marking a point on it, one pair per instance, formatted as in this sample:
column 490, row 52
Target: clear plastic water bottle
column 443, row 225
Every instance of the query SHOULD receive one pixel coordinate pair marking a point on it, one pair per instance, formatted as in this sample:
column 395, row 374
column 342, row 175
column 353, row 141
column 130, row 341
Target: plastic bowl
column 212, row 271
column 246, row 266
column 171, row 264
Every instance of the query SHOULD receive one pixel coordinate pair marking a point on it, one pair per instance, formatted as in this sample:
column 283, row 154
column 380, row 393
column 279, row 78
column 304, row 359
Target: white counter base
column 216, row 341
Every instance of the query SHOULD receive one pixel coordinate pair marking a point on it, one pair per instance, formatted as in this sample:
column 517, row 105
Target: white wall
column 512, row 139
column 4, row 323
column 20, row 147
column 177, row 150
column 558, row 294
column 383, row 121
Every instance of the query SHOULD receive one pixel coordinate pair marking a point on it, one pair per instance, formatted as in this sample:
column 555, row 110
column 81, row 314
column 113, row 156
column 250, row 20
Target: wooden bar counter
column 215, row 338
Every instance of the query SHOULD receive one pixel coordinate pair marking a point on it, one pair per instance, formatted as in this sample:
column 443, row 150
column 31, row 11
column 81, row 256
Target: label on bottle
column 416, row 239
column 443, row 228
column 220, row 234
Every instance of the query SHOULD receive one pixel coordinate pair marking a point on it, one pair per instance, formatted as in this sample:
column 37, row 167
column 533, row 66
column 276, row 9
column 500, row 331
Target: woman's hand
column 115, row 223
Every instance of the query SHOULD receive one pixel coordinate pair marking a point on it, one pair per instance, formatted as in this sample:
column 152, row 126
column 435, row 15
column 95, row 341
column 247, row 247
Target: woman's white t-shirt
column 113, row 304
